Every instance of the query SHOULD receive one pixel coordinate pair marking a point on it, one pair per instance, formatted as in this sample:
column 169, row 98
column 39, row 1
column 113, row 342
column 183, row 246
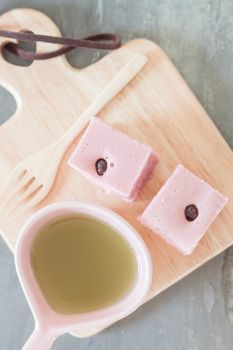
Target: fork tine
column 12, row 188
column 11, row 180
column 24, row 195
column 25, row 180
column 31, row 200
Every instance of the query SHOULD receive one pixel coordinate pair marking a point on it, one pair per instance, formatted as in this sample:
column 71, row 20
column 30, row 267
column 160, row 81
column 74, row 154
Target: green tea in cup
column 82, row 264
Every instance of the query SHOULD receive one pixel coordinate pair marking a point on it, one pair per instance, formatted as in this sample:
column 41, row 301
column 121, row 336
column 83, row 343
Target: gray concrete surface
column 196, row 313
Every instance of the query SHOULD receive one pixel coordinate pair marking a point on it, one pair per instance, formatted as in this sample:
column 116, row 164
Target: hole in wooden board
column 14, row 59
column 7, row 105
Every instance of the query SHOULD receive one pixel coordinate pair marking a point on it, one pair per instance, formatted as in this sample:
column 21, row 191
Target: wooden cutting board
column 157, row 108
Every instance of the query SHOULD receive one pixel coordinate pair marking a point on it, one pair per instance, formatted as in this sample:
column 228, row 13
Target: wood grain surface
column 157, row 108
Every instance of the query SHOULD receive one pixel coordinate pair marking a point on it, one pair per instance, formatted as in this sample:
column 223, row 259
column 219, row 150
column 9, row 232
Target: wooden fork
column 32, row 179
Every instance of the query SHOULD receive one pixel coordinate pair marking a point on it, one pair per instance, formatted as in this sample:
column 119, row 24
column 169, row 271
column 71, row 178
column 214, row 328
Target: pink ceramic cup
column 49, row 324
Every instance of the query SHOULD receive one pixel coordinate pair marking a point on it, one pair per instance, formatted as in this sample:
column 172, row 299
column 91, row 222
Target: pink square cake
column 183, row 209
column 112, row 159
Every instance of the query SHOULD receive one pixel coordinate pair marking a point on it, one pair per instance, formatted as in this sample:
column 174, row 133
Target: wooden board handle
column 20, row 20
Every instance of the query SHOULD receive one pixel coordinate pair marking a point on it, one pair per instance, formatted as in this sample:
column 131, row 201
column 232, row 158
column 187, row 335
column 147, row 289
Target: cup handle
column 40, row 339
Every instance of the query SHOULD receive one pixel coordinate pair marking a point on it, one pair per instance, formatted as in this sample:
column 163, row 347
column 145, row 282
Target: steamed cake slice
column 112, row 159
column 183, row 209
